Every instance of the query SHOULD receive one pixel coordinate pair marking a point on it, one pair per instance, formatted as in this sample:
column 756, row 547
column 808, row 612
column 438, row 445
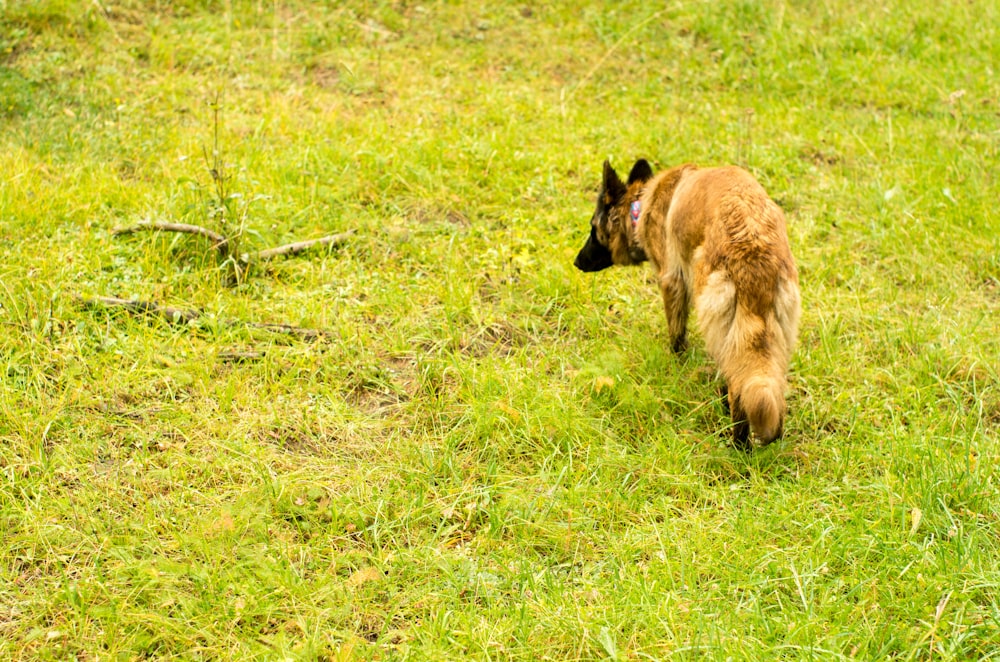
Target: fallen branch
column 299, row 331
column 173, row 315
column 300, row 246
column 187, row 315
column 239, row 357
column 221, row 243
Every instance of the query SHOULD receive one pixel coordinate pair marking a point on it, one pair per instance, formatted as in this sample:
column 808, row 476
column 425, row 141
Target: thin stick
column 176, row 315
column 300, row 246
column 154, row 226
column 301, row 332
column 220, row 242
column 186, row 315
column 239, row 357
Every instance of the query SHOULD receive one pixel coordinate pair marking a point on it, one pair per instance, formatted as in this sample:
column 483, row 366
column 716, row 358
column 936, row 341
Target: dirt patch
column 499, row 338
column 294, row 440
column 326, row 77
column 428, row 215
column 819, row 157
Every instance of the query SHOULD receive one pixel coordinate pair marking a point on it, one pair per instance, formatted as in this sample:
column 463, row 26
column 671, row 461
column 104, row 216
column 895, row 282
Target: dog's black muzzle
column 593, row 256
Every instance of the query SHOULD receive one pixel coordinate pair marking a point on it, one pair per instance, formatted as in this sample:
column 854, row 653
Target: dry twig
column 186, row 315
column 174, row 315
column 300, row 246
column 234, row 356
column 301, row 332
column 221, row 243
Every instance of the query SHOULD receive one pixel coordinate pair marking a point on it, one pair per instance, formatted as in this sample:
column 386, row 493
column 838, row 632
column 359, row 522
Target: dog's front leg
column 675, row 303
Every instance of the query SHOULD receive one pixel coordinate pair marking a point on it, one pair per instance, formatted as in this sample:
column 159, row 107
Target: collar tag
column 634, row 211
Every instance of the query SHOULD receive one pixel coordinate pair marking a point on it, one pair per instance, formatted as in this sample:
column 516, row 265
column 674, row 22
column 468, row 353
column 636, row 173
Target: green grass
column 492, row 455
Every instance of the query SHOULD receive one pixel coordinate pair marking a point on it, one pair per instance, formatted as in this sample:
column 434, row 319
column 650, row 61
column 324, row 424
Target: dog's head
column 612, row 238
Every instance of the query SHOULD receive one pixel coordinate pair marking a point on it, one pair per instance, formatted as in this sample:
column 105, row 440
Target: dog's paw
column 741, row 436
column 679, row 345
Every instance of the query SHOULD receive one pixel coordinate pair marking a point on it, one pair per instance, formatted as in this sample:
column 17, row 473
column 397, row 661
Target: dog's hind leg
column 741, row 426
column 675, row 304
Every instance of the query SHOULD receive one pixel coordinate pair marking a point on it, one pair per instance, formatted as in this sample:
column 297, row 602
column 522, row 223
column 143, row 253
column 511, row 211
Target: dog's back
column 726, row 239
column 716, row 241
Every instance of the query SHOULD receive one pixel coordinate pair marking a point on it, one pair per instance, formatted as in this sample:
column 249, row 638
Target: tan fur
column 717, row 240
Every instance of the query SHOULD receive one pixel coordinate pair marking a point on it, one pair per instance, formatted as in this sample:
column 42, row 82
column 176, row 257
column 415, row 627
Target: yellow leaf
column 915, row 516
column 515, row 416
column 225, row 523
column 363, row 576
column 602, row 383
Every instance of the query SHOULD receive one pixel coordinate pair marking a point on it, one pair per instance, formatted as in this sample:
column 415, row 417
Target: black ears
column 612, row 183
column 641, row 172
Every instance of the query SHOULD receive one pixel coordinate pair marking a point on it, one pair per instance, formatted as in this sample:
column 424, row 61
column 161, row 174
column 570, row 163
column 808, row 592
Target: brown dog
column 716, row 239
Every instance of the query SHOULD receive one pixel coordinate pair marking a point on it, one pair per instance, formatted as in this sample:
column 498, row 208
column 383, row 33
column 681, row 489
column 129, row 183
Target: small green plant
column 226, row 220
column 228, row 211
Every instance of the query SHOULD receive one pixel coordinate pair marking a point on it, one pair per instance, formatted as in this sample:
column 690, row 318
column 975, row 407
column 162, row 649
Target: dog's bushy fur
column 715, row 239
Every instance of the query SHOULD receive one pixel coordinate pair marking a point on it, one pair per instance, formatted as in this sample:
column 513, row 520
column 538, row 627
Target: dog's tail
column 754, row 365
column 762, row 399
column 752, row 345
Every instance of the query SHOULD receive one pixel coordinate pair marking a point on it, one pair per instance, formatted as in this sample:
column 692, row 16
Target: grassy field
column 489, row 455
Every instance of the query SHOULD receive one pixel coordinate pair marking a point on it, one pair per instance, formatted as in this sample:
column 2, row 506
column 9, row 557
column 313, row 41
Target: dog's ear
column 613, row 186
column 641, row 172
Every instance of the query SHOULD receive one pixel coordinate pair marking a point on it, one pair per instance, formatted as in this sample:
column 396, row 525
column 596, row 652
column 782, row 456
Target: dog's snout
column 593, row 257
